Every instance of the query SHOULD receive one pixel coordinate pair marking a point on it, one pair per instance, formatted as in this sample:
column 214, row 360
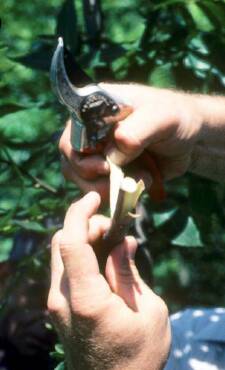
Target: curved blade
column 67, row 93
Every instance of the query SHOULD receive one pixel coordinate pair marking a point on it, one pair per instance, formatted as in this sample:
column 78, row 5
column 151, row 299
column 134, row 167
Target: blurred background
column 171, row 43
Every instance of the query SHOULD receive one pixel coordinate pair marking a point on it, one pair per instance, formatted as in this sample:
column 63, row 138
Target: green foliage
column 60, row 366
column 170, row 43
column 58, row 352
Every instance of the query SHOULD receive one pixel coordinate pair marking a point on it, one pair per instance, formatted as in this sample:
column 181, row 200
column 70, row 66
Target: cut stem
column 124, row 195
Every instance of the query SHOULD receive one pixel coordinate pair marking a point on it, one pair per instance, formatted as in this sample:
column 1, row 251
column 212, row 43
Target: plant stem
column 126, row 199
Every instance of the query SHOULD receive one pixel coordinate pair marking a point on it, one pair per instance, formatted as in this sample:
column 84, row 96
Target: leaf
column 162, row 76
column 190, row 236
column 67, row 27
column 203, row 197
column 130, row 28
column 197, row 44
column 28, row 125
column 220, row 75
column 59, row 348
column 5, row 63
column 96, row 60
column 39, row 58
column 120, row 64
column 53, row 176
column 10, row 108
column 165, row 268
column 111, row 52
column 19, row 156
column 10, row 195
column 174, row 224
column 194, row 62
column 60, row 366
column 31, row 226
column 161, row 218
column 5, row 249
column 216, row 10
column 199, row 17
column 164, row 3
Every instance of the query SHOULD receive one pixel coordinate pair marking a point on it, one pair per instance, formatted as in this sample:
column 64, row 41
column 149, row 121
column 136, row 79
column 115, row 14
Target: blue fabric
column 198, row 340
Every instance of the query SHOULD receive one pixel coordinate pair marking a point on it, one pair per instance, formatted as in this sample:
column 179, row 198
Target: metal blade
column 67, row 93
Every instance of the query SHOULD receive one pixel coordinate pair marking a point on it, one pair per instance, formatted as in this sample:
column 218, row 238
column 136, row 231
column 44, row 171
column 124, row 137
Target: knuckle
column 67, row 246
column 164, row 308
column 62, row 143
column 163, row 311
column 54, row 307
column 56, row 237
column 65, row 138
column 84, row 309
column 83, row 313
column 64, row 250
column 128, row 273
column 127, row 140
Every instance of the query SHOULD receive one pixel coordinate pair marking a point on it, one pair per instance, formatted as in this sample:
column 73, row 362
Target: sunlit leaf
column 31, row 226
column 160, row 218
column 6, row 245
column 216, row 9
column 5, row 63
column 194, row 62
column 190, row 236
column 130, row 28
column 162, row 76
column 60, row 366
column 18, row 155
column 28, row 125
column 59, row 349
column 197, row 44
column 202, row 22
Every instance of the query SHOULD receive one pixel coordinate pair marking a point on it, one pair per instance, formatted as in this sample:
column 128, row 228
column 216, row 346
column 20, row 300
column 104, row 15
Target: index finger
column 87, row 167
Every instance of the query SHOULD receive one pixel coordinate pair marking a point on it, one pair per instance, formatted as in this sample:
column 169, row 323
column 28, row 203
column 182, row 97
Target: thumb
column 132, row 136
column 127, row 144
column 77, row 255
column 122, row 274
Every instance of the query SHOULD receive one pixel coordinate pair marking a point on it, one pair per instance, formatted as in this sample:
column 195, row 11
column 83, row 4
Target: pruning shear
column 93, row 110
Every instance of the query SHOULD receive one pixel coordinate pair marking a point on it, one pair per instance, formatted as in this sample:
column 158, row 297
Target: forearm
column 208, row 156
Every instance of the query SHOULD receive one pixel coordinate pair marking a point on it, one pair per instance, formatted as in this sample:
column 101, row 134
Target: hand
column 164, row 122
column 115, row 322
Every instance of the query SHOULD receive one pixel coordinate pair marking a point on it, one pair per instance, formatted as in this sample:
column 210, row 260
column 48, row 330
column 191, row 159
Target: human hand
column 115, row 322
column 166, row 123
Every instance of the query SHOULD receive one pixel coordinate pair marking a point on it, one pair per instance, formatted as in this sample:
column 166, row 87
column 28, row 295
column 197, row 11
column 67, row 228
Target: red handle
column 156, row 192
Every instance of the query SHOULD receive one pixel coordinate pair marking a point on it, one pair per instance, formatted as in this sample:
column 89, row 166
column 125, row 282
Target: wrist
column 208, row 155
column 212, row 108
column 212, row 115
